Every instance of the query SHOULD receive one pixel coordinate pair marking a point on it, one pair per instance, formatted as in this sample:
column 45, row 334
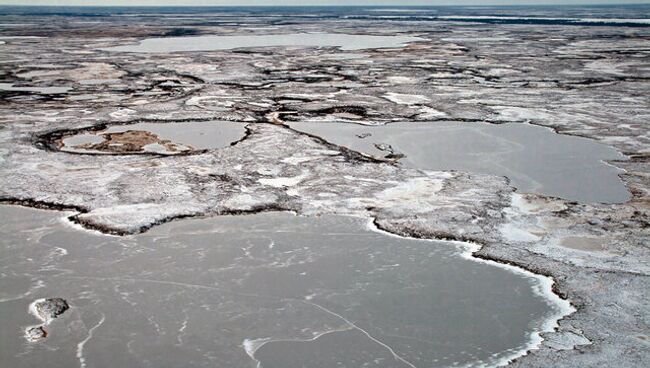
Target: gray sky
column 312, row 2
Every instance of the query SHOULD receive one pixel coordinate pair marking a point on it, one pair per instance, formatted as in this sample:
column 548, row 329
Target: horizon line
column 314, row 6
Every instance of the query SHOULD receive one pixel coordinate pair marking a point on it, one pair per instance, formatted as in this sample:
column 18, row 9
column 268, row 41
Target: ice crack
column 393, row 353
column 80, row 346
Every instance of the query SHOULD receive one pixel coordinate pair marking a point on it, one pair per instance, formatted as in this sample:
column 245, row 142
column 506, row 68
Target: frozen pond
column 44, row 90
column 164, row 138
column 284, row 290
column 536, row 159
column 209, row 43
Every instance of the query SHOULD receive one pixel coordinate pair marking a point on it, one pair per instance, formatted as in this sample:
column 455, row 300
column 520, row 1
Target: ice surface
column 292, row 289
column 205, row 43
column 535, row 159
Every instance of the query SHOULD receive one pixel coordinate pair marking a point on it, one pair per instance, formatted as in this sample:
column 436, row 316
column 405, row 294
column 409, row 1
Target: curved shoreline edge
column 543, row 286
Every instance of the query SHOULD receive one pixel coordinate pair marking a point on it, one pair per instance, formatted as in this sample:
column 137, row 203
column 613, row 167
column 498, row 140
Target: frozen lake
column 535, row 159
column 274, row 288
column 165, row 138
column 44, row 90
column 210, row 43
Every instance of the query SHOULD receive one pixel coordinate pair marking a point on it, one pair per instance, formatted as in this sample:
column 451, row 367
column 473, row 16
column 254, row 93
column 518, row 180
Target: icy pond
column 210, row 43
column 282, row 290
column 163, row 138
column 44, row 90
column 535, row 159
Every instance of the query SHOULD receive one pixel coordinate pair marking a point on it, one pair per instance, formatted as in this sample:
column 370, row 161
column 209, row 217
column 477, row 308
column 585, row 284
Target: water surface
column 44, row 90
column 282, row 290
column 210, row 43
column 535, row 159
column 198, row 135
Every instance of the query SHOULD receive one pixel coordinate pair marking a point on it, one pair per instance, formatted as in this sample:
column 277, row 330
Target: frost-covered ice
column 404, row 99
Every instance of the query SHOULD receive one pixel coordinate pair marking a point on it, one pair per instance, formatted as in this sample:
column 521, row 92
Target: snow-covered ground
column 590, row 82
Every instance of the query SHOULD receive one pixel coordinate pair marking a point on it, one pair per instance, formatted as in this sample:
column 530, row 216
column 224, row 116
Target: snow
column 404, row 99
